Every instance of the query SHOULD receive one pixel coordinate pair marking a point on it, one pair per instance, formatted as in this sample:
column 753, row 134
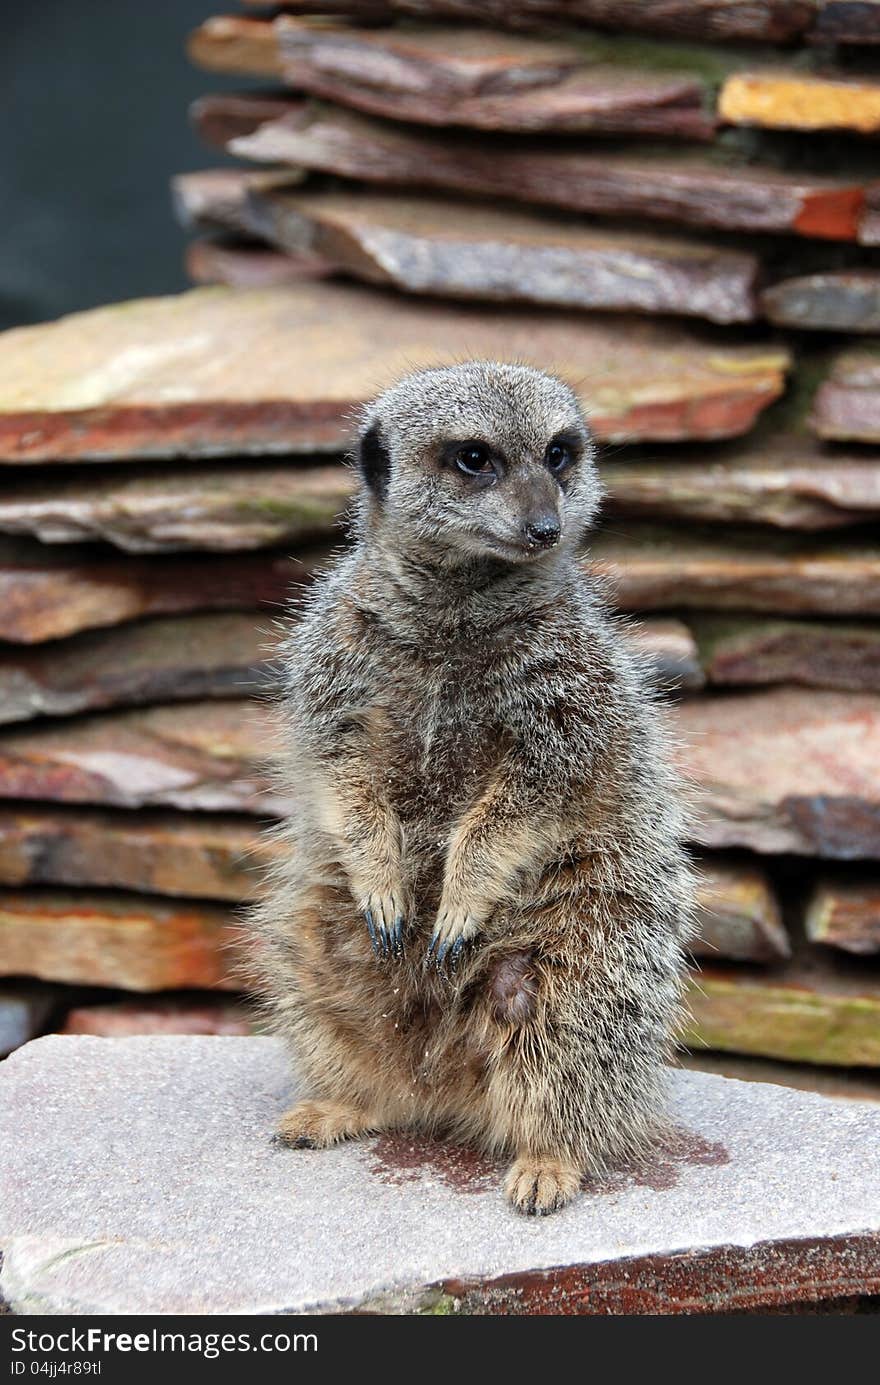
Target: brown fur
column 476, row 761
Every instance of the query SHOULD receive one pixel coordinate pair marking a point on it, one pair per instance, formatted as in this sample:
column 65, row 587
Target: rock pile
column 680, row 219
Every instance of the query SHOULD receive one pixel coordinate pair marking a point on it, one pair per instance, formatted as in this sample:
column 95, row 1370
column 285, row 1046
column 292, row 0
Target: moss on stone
column 443, row 1305
column 794, row 1022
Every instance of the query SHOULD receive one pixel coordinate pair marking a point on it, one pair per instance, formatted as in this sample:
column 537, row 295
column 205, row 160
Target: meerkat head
column 482, row 459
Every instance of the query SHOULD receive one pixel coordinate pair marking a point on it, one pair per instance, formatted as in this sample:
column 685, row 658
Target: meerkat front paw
column 537, row 1186
column 320, row 1124
column 454, row 928
column 384, row 915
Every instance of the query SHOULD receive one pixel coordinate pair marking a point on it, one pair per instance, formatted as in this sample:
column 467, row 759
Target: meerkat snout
column 543, row 532
column 481, row 460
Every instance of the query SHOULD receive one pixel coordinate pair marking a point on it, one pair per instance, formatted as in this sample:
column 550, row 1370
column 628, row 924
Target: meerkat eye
column 474, row 459
column 559, row 454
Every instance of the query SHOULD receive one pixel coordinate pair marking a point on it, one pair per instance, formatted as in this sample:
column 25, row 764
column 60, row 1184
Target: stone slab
column 222, row 116
column 209, row 856
column 839, row 301
column 476, row 78
column 771, row 21
column 796, row 100
column 767, row 1196
column 693, row 189
column 671, row 650
column 464, row 249
column 816, row 654
column 161, row 660
column 784, row 481
column 167, row 510
column 123, row 1019
column 200, row 855
column 229, row 654
column 776, row 481
column 48, row 592
column 222, row 197
column 846, row 407
column 785, row 770
column 781, row 770
column 856, row 1084
column 218, row 371
column 845, row 913
column 738, row 916
column 810, row 1011
column 25, row 1012
column 486, row 79
column 847, row 21
column 228, row 43
column 647, row 567
column 136, row 942
column 194, row 755
column 245, row 266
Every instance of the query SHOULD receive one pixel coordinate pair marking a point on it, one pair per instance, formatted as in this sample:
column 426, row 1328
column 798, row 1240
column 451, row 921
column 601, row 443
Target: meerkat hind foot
column 320, row 1124
column 537, row 1185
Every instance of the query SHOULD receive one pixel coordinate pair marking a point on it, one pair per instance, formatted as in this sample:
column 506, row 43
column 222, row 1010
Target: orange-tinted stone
column 133, row 941
column 845, row 912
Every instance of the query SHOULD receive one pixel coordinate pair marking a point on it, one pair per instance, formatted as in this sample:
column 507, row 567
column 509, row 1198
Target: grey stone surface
column 137, row 1175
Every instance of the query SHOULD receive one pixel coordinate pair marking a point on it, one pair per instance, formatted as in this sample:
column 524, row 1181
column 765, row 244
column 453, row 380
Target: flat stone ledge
column 172, row 1199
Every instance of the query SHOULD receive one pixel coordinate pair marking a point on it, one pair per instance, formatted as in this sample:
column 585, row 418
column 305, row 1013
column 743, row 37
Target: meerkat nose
column 543, row 532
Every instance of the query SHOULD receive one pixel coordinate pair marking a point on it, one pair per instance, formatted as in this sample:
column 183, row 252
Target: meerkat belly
column 436, row 747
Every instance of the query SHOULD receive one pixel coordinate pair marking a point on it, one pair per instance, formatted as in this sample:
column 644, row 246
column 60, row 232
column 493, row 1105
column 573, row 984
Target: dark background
column 95, row 96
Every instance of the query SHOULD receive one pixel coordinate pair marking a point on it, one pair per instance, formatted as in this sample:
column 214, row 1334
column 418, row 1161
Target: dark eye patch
column 562, row 451
column 474, row 459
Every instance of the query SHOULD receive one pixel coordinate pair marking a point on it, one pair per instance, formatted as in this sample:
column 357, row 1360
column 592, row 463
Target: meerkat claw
column 395, row 937
column 385, row 935
column 374, row 937
column 437, row 948
column 457, row 950
column 449, row 938
column 448, row 948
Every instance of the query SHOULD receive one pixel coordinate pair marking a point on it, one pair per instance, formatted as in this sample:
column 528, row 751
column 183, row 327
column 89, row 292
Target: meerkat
column 477, row 923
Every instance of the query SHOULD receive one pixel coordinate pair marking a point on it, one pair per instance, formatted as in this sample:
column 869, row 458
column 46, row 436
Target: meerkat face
column 484, row 459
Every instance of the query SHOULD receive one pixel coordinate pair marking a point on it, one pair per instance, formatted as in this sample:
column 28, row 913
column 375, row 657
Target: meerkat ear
column 375, row 461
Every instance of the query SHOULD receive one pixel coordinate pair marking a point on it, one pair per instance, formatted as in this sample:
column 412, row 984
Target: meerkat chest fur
column 432, row 702
column 440, row 732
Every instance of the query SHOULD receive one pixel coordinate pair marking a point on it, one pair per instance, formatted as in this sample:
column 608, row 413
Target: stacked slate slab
column 675, row 206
